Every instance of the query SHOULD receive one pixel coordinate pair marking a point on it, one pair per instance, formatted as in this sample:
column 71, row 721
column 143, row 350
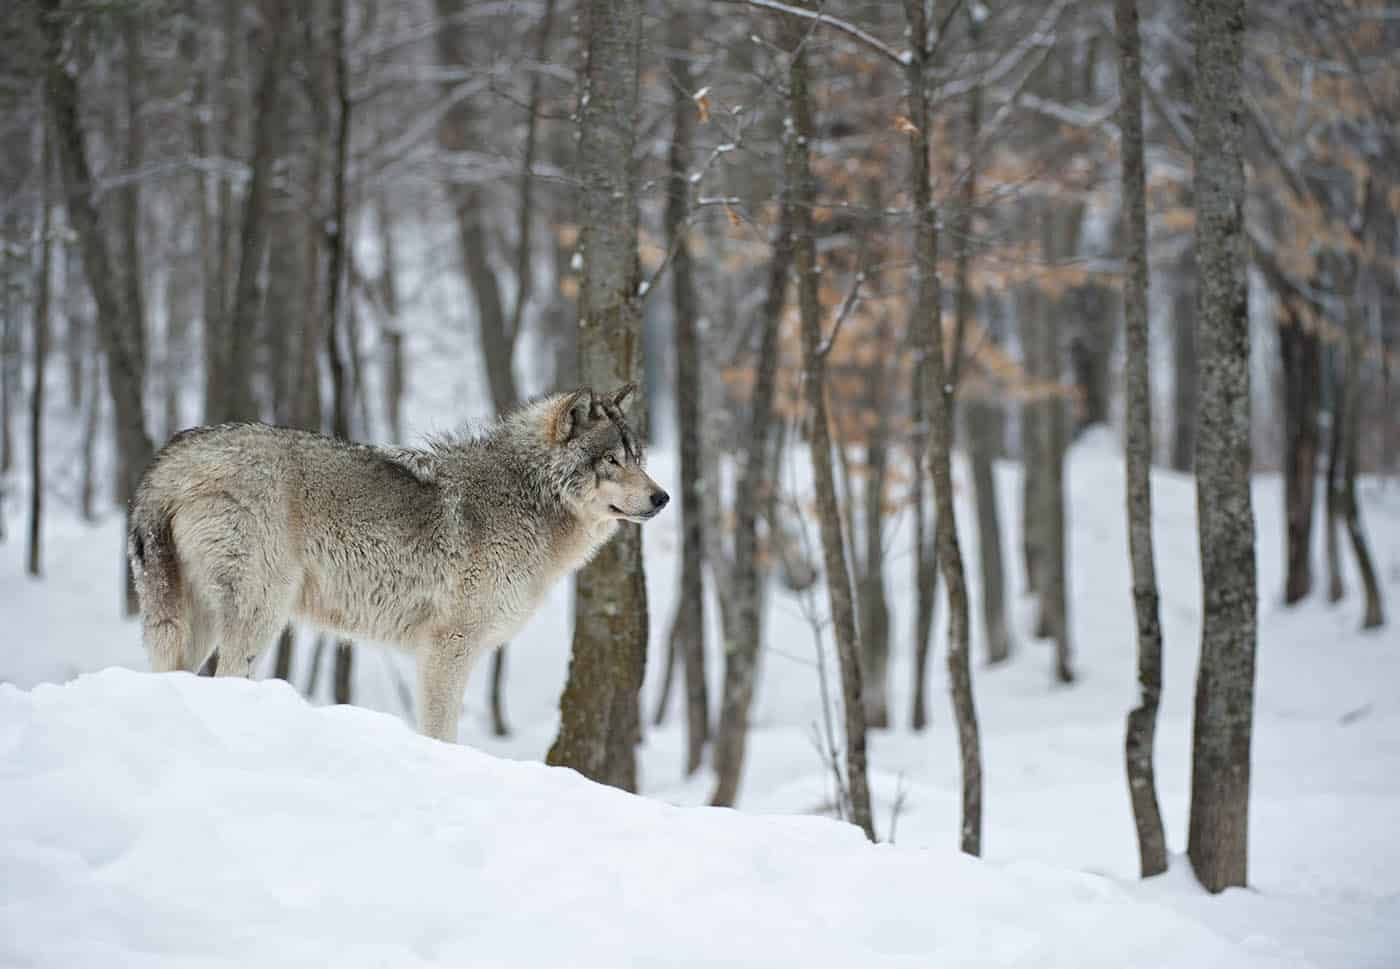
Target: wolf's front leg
column 443, row 668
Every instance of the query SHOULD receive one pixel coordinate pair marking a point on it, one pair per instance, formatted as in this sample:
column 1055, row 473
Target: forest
column 1003, row 360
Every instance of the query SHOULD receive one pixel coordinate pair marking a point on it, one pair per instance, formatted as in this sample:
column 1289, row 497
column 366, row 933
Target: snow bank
column 173, row 821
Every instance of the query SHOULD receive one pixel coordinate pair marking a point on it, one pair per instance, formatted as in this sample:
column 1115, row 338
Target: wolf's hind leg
column 443, row 668
column 167, row 641
column 248, row 625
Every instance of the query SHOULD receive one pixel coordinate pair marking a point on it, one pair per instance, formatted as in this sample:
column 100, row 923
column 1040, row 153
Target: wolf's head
column 605, row 478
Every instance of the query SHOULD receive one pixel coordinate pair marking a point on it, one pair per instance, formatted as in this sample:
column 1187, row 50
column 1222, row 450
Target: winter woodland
column 1025, row 378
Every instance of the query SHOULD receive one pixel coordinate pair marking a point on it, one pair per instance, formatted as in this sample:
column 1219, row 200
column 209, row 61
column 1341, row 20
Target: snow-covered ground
column 173, row 821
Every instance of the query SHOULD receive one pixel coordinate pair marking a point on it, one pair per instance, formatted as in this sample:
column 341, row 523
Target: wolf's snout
column 659, row 499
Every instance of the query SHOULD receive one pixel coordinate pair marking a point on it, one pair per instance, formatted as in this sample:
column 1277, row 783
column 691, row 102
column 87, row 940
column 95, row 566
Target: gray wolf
column 444, row 551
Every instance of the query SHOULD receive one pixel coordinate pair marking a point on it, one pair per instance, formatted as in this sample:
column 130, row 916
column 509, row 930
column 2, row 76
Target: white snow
column 173, row 821
column 167, row 820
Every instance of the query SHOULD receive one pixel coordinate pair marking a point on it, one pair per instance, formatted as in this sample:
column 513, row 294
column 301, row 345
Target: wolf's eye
column 612, row 459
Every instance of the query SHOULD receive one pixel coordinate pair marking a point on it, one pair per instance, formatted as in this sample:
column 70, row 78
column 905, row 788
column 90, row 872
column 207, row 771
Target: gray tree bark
column 337, row 245
column 1185, row 367
column 118, row 331
column 42, row 293
column 983, row 424
column 1218, row 838
column 689, row 628
column 1300, row 353
column 1139, row 747
column 239, row 402
column 940, row 399
column 838, row 577
column 600, row 722
column 1373, row 616
column 925, row 535
column 751, row 492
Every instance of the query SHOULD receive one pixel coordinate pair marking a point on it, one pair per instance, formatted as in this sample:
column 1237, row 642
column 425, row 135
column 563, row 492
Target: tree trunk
column 838, row 578
column 925, row 536
column 983, row 428
column 981, row 417
column 240, row 403
column 690, row 611
column 1054, row 427
column 599, row 719
column 130, row 206
column 1032, row 458
column 1336, row 586
column 337, row 244
column 751, row 491
column 119, row 332
column 873, row 610
column 1185, row 367
column 1301, row 357
column 940, row 399
column 1139, row 747
column 1218, row 838
column 42, row 294
column 1374, row 615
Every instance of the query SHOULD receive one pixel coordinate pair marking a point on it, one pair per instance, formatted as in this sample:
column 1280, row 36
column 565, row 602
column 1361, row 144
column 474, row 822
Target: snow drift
column 173, row 821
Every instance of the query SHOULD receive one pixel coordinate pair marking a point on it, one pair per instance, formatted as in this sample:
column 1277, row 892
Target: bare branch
column 841, row 26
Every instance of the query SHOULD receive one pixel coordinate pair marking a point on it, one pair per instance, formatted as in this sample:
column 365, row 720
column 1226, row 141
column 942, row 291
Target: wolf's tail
column 156, row 568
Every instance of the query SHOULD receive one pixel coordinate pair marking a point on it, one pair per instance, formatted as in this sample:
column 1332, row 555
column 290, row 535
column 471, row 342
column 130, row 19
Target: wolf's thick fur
column 444, row 551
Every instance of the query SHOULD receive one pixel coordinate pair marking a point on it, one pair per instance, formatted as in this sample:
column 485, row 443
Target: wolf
column 443, row 551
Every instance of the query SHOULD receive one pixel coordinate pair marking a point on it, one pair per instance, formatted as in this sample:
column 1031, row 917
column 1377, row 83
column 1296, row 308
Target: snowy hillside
column 177, row 822
column 161, row 821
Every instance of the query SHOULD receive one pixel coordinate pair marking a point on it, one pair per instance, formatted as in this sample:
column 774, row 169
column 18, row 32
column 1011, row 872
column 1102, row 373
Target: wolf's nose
column 659, row 499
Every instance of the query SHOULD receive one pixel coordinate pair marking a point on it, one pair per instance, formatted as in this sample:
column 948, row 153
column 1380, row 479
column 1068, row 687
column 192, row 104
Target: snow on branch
column 835, row 23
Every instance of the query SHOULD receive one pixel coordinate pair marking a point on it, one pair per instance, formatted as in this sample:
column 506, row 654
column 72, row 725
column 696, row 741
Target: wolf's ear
column 573, row 415
column 622, row 393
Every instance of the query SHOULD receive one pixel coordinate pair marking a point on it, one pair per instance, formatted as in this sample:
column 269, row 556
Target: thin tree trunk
column 1142, row 720
column 1374, row 615
column 119, row 332
column 1033, row 487
column 337, row 243
column 741, row 647
column 874, row 612
column 130, row 209
column 838, row 578
column 42, row 293
column 1301, row 357
column 689, row 628
column 600, row 722
column 1218, row 838
column 1185, row 367
column 92, row 418
column 925, row 537
column 241, row 403
column 940, row 399
column 983, row 426
column 1336, row 586
column 982, row 422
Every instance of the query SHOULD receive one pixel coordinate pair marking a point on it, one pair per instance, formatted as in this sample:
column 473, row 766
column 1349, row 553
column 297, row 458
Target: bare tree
column 688, row 631
column 1137, row 448
column 925, row 534
column 797, row 162
column 42, row 292
column 1218, row 837
column 599, row 717
column 1373, row 616
column 753, row 490
column 118, row 331
column 939, row 395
